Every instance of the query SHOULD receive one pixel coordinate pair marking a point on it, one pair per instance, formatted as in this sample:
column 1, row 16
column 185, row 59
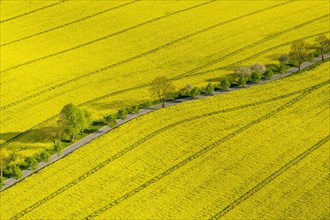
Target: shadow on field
column 37, row 135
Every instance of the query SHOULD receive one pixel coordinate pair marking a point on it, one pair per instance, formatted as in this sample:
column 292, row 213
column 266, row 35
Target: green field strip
column 201, row 152
column 273, row 176
column 106, row 37
column 141, row 141
column 70, row 23
column 251, row 46
column 33, row 11
column 134, row 58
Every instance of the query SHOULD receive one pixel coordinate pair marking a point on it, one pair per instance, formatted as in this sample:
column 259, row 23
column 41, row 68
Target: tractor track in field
column 106, row 37
column 68, row 24
column 33, row 11
column 269, row 179
column 150, row 52
column 200, row 153
column 159, row 131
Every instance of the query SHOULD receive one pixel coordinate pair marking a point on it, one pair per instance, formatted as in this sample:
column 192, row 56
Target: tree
column 257, row 71
column 258, row 68
column 299, row 52
column 162, row 88
column 54, row 131
column 268, row 74
column 322, row 45
column 209, row 89
column 122, row 113
column 15, row 171
column 243, row 71
column 225, row 84
column 31, row 162
column 111, row 120
column 283, row 59
column 194, row 92
column 45, row 156
column 72, row 120
column 241, row 81
column 256, row 76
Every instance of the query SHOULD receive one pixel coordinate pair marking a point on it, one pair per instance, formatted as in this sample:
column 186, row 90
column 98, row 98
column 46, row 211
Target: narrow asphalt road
column 105, row 129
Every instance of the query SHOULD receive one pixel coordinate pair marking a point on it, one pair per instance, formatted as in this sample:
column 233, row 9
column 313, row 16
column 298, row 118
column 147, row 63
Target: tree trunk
column 299, row 67
column 322, row 57
column 1, row 171
column 163, row 103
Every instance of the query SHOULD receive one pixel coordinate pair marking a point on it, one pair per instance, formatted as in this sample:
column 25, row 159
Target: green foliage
column 225, row 84
column 163, row 88
column 136, row 108
column 111, row 120
column 2, row 180
column 31, row 162
column 283, row 59
column 45, row 156
column 13, row 171
column 194, row 92
column 241, row 81
column 122, row 113
column 256, row 76
column 209, row 89
column 73, row 121
column 57, row 149
column 13, row 156
column 268, row 74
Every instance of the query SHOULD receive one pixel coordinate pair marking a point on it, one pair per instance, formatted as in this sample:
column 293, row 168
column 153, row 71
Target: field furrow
column 274, row 175
column 30, row 12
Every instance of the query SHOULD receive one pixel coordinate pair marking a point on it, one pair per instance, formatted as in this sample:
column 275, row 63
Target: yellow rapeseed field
column 257, row 153
column 103, row 54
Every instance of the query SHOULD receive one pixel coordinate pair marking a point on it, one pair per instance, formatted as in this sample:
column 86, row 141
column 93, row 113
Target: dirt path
column 106, row 129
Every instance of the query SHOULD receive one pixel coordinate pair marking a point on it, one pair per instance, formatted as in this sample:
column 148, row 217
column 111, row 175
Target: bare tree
column 162, row 88
column 299, row 52
column 322, row 45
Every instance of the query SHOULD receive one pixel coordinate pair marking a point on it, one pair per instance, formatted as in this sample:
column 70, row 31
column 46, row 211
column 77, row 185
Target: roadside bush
column 136, row 108
column 45, row 156
column 225, row 84
column 194, row 92
column 111, row 120
column 57, row 149
column 145, row 105
column 13, row 171
column 256, row 76
column 31, row 162
column 209, row 89
column 122, row 113
column 241, row 81
column 268, row 74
